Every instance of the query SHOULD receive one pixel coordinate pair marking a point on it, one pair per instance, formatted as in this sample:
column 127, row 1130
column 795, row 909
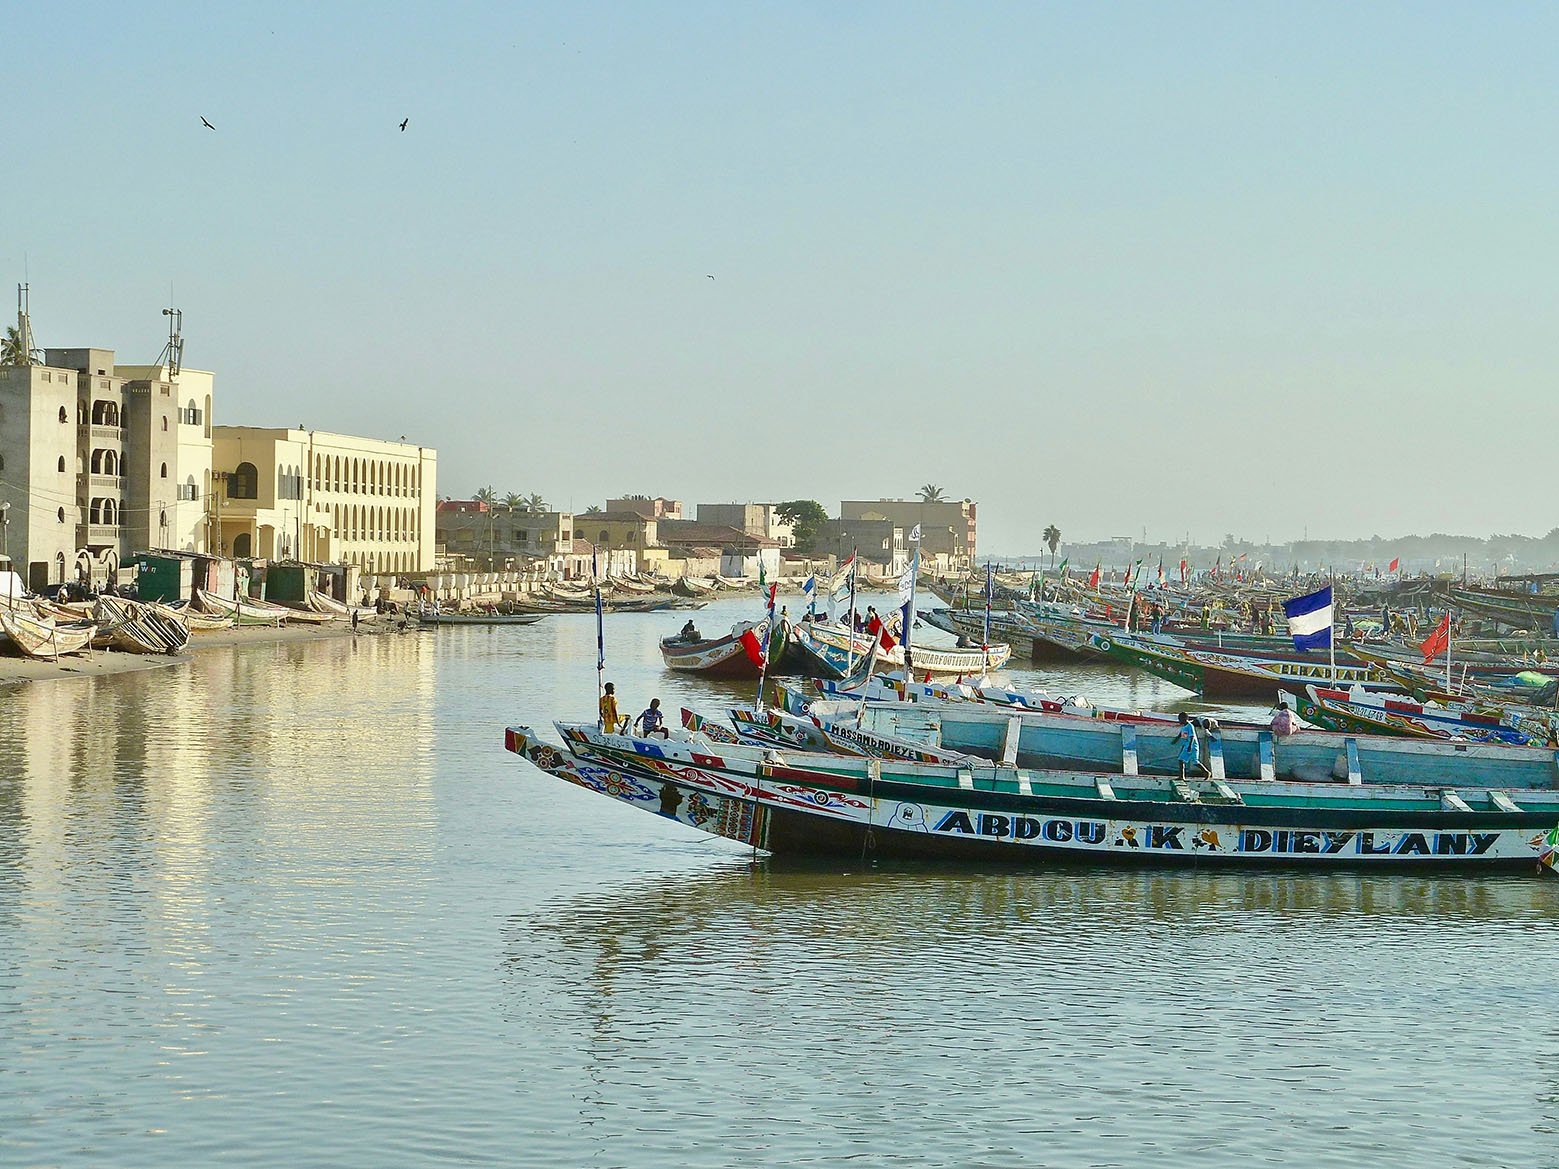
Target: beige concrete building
column 491, row 536
column 947, row 530
column 98, row 462
column 756, row 519
column 286, row 493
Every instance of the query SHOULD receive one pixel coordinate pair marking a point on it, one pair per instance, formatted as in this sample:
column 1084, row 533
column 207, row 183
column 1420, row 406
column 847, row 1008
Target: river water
column 294, row 905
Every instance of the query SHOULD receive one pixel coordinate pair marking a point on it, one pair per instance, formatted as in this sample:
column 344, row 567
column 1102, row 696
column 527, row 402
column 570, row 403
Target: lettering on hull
column 1183, row 838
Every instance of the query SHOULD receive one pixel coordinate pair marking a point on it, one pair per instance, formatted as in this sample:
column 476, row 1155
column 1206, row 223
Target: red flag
column 753, row 645
column 885, row 639
column 1394, row 565
column 1183, row 569
column 1093, row 578
column 1438, row 641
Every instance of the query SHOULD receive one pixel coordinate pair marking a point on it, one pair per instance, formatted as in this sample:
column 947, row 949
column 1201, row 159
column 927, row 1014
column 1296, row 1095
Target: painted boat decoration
column 798, row 803
column 824, row 733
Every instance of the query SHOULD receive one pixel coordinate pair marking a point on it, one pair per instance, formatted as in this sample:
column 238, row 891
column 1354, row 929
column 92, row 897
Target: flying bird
column 403, row 126
column 707, row 274
column 205, row 123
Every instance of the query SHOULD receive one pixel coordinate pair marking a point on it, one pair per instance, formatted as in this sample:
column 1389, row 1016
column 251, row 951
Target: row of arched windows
column 104, row 511
column 365, row 476
column 375, row 523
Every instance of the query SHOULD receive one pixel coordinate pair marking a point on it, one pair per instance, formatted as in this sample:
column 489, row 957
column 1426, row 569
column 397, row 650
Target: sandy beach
column 16, row 670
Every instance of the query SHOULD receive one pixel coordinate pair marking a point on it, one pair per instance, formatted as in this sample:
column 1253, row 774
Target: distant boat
column 433, row 617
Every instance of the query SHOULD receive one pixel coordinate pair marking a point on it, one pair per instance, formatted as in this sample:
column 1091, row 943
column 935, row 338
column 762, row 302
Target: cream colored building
column 100, row 461
column 286, row 493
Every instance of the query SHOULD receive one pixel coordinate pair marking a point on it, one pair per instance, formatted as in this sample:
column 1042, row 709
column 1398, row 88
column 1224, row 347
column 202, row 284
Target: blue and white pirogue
column 801, row 803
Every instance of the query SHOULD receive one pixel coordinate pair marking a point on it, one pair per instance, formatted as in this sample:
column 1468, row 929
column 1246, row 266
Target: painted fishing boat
column 718, row 657
column 1225, row 673
column 834, row 650
column 802, row 803
column 37, row 637
column 1355, row 711
column 775, row 728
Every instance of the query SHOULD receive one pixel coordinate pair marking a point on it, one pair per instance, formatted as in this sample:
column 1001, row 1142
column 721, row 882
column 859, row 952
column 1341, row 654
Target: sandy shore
column 15, row 670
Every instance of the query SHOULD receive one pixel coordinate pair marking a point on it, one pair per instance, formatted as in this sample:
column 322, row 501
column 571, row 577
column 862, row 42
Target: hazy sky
column 1182, row 267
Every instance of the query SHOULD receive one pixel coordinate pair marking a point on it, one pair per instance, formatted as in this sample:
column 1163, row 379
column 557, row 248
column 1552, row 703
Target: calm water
column 294, row 906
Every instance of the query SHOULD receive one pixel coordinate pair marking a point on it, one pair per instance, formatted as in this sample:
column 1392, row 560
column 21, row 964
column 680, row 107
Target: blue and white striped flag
column 1310, row 619
column 809, row 586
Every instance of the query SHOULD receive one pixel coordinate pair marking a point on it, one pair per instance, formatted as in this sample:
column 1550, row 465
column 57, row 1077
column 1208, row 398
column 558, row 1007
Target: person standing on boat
column 653, row 721
column 1190, row 749
column 610, row 718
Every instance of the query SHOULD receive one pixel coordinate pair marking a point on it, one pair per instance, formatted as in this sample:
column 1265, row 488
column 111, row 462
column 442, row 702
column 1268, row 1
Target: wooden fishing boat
column 775, row 728
column 36, row 637
column 244, row 610
column 793, row 802
column 193, row 619
column 1405, row 716
column 139, row 628
column 1225, row 673
column 717, row 657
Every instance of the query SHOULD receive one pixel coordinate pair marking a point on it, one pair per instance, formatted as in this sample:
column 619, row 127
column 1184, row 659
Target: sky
column 1171, row 268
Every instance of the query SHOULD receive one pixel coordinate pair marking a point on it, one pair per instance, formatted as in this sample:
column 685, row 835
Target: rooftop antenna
column 24, row 340
column 174, row 349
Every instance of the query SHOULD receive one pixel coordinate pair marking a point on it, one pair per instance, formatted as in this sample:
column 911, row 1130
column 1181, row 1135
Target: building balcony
column 101, row 483
column 115, row 434
column 92, row 535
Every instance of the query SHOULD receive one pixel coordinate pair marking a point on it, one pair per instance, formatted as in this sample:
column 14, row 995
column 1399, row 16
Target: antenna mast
column 174, row 349
column 24, row 342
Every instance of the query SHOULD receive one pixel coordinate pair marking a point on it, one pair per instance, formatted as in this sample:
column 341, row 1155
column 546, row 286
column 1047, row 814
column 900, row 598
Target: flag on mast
column 1396, row 563
column 1093, row 577
column 1310, row 619
column 1438, row 641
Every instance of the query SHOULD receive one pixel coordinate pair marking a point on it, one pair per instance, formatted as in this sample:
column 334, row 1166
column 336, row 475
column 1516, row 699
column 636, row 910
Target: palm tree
column 1053, row 538
column 931, row 493
column 593, row 509
column 514, row 502
column 485, row 495
column 536, row 504
column 11, row 351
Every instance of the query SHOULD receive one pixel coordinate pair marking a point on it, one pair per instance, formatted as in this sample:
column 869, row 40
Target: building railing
column 109, row 482
column 107, row 433
column 98, row 533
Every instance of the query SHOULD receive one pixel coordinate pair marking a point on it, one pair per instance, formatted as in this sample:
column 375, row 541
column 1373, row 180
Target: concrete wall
column 33, row 440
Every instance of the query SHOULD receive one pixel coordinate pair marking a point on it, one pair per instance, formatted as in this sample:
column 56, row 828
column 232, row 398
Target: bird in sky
column 707, row 274
column 205, row 123
column 403, row 125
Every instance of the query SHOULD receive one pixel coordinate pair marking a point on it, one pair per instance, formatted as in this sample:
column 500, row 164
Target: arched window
column 165, row 470
column 242, row 545
column 606, row 538
column 189, row 488
column 64, row 415
column 165, row 423
column 61, row 467
column 61, row 514
column 110, row 463
column 244, row 482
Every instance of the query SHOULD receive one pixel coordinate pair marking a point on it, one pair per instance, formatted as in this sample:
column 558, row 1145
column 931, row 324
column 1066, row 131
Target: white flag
column 914, row 536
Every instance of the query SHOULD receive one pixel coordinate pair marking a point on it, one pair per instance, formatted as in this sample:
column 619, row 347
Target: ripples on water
column 293, row 905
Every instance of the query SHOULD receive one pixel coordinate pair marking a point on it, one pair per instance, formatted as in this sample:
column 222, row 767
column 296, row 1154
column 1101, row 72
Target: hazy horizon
column 1195, row 268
